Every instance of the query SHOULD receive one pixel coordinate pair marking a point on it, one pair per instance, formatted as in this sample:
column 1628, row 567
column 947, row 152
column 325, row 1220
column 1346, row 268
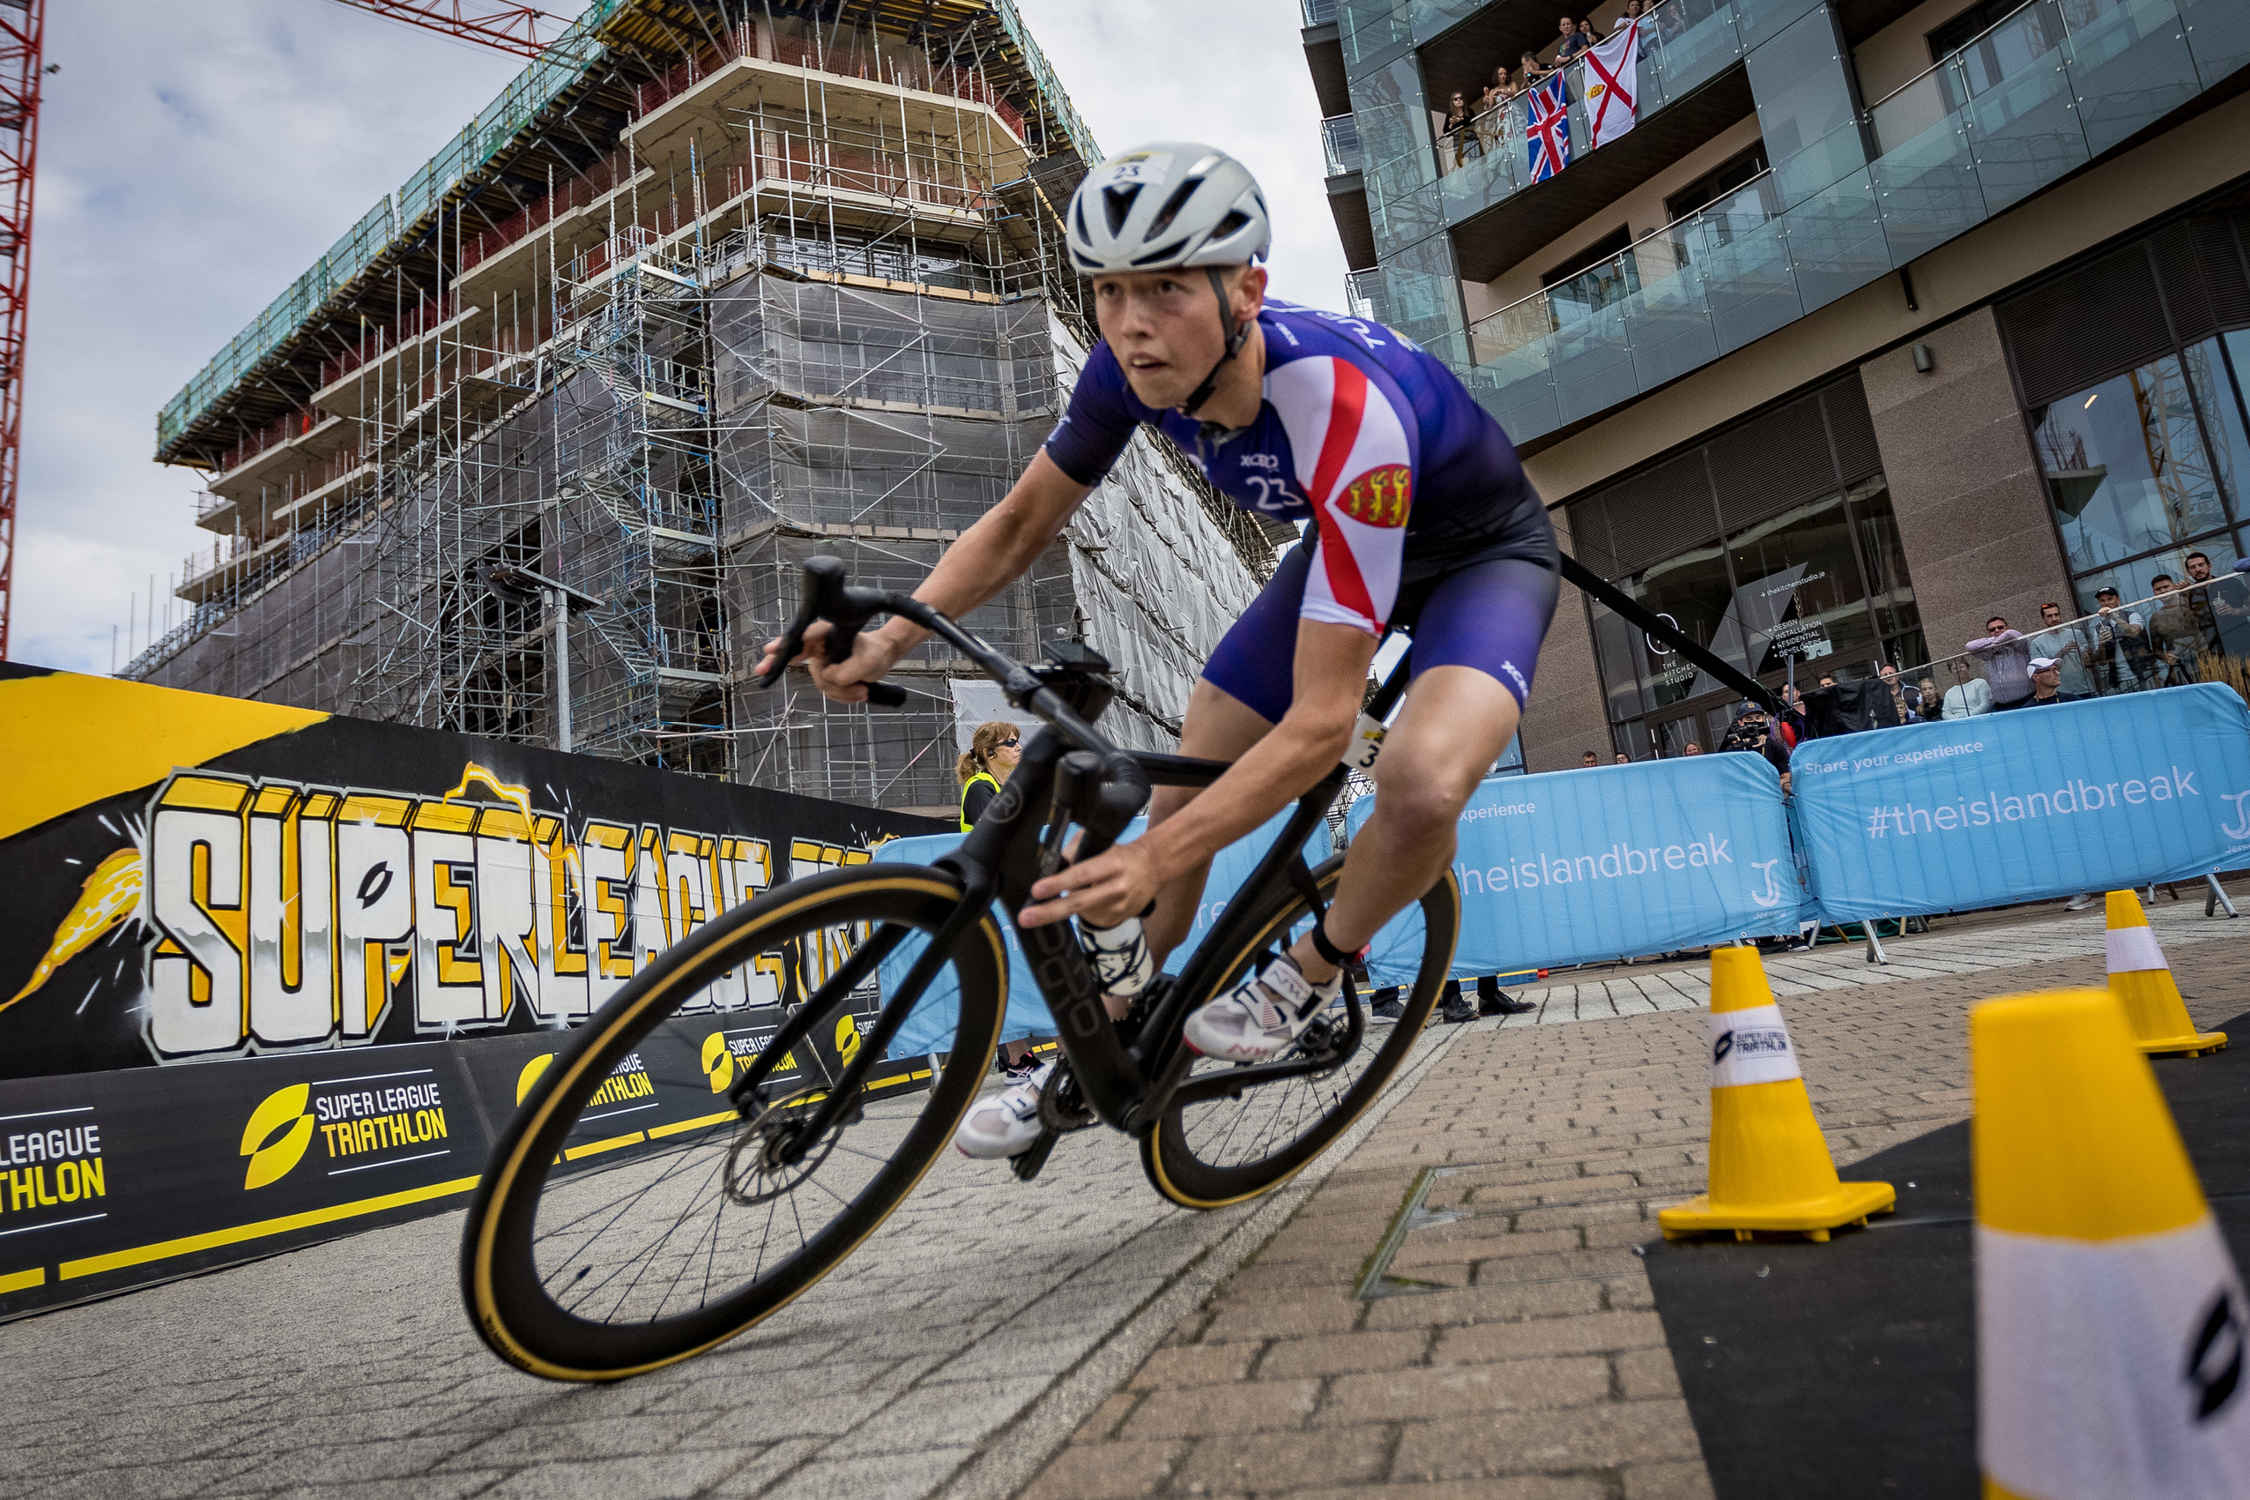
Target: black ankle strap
column 1327, row 950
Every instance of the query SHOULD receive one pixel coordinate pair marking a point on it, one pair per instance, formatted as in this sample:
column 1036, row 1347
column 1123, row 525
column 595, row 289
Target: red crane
column 22, row 35
column 511, row 28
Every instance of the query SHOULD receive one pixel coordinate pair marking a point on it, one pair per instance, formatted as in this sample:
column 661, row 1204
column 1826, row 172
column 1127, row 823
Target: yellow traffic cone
column 2110, row 1319
column 1770, row 1169
column 2139, row 976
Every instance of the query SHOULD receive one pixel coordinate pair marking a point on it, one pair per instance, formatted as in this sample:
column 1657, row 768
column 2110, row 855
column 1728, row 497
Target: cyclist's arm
column 990, row 555
column 1331, row 682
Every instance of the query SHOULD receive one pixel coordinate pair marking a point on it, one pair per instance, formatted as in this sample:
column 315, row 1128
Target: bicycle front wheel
column 599, row 1247
column 1226, row 1135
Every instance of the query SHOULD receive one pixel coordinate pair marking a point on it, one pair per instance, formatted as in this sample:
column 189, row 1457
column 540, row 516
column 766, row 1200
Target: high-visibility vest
column 972, row 781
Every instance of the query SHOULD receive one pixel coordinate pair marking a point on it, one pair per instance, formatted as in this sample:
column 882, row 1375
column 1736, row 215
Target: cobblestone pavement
column 998, row 1338
column 1513, row 1351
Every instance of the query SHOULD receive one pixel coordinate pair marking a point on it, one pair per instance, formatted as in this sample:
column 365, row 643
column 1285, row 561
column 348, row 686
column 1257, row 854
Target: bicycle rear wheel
column 592, row 1255
column 1225, row 1136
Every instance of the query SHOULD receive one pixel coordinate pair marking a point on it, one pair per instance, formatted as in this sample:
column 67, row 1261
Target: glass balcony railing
column 1681, row 247
column 1318, row 12
column 1339, row 137
column 1949, row 162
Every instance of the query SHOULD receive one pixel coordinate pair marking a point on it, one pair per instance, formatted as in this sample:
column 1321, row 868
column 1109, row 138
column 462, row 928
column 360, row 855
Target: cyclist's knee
column 1424, row 806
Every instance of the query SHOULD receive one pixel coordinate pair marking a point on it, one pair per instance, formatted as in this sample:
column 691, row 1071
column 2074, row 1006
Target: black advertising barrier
column 268, row 976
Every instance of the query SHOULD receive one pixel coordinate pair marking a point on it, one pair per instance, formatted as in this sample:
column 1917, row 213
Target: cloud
column 195, row 159
column 1230, row 73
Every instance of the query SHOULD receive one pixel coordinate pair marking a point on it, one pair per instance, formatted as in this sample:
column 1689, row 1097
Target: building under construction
column 715, row 285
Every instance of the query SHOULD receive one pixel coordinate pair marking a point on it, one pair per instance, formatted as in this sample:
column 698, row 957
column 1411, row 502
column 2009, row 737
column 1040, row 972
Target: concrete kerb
column 1015, row 1454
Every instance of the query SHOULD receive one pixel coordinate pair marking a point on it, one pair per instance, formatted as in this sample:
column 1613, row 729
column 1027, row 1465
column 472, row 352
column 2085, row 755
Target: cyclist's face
column 1163, row 326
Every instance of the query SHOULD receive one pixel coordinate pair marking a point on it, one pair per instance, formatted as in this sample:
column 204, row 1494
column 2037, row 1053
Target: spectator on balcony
column 1969, row 696
column 2067, row 644
column 1460, row 130
column 2007, row 662
column 1490, row 119
column 1573, row 42
column 1534, row 73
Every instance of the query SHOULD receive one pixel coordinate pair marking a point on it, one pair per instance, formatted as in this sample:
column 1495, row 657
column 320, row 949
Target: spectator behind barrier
column 1933, row 706
column 2007, row 662
column 2066, row 643
column 1849, row 707
column 1906, row 699
column 1588, row 761
column 2172, row 634
column 1969, row 696
column 2222, row 607
column 1752, row 734
column 2046, row 684
column 2120, row 652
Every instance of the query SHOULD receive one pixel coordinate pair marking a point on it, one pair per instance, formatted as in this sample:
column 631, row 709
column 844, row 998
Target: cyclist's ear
column 1246, row 287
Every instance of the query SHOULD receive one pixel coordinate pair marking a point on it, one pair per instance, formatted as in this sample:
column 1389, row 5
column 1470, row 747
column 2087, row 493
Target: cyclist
column 1419, row 516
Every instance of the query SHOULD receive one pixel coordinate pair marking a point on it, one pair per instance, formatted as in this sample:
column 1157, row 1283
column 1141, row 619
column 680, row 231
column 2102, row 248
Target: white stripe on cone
column 2113, row 1367
column 1751, row 1046
column 2132, row 949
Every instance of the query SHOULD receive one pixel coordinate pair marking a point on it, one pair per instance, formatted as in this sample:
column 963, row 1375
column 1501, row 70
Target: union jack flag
column 1547, row 128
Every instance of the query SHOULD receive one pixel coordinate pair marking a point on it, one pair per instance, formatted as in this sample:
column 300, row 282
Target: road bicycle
column 598, row 1267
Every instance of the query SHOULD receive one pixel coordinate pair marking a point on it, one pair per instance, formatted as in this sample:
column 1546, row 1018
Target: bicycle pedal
column 1061, row 1107
column 1027, row 1162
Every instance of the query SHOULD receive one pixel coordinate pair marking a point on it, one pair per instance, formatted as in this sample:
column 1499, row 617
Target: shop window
column 1692, row 592
column 2127, row 471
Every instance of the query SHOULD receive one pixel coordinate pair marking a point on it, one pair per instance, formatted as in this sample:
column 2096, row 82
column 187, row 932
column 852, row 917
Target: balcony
column 1959, row 145
column 1339, row 138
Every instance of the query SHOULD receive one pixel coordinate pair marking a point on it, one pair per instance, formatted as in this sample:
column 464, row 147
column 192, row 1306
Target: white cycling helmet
column 1167, row 206
column 1172, row 206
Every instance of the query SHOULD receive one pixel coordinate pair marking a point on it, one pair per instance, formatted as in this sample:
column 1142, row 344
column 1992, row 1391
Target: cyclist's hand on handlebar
column 1117, row 883
column 873, row 655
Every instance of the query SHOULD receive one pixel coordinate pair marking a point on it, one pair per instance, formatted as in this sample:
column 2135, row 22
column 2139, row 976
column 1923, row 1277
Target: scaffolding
column 808, row 300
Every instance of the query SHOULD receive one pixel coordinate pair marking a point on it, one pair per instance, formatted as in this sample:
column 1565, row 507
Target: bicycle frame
column 1128, row 1087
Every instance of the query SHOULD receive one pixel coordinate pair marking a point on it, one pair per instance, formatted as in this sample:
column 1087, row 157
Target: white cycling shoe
column 1261, row 1016
column 1005, row 1124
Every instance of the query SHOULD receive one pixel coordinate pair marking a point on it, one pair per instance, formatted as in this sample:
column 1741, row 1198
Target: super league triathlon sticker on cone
column 1770, row 1168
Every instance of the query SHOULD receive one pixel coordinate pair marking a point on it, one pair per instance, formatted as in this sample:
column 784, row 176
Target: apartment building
column 1883, row 319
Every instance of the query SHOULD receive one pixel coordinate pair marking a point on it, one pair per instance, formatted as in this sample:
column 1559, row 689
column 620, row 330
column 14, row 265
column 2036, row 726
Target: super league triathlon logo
column 274, row 915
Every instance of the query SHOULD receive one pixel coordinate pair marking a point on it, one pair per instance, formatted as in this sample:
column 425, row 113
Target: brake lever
column 827, row 597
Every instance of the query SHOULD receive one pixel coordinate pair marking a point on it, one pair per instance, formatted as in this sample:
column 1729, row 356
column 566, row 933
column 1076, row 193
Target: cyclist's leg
column 1476, row 644
column 1244, row 690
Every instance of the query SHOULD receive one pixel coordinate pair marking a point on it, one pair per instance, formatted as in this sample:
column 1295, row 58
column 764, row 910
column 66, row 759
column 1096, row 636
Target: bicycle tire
column 1174, row 1153
column 522, row 1316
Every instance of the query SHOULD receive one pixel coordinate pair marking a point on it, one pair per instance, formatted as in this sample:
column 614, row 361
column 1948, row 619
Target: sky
column 195, row 159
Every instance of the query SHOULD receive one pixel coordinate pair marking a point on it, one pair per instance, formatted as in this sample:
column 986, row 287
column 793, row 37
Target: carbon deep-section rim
column 541, row 1294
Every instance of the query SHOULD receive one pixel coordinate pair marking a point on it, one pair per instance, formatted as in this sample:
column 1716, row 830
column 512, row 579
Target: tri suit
column 1421, row 516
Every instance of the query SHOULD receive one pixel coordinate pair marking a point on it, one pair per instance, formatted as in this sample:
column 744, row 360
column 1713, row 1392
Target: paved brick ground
column 993, row 1328
column 1533, row 1366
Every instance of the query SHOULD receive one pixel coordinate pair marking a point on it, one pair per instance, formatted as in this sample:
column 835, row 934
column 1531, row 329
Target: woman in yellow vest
column 993, row 752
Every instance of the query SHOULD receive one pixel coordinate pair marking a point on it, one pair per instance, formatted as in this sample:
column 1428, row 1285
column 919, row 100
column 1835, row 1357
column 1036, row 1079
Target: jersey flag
column 1547, row 128
column 1610, row 80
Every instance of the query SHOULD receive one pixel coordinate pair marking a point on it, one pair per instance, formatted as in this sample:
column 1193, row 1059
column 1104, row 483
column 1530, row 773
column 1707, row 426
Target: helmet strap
column 1235, row 335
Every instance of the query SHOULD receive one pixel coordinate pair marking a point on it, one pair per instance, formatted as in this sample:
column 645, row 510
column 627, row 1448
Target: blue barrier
column 931, row 1024
column 2026, row 804
column 1575, row 866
